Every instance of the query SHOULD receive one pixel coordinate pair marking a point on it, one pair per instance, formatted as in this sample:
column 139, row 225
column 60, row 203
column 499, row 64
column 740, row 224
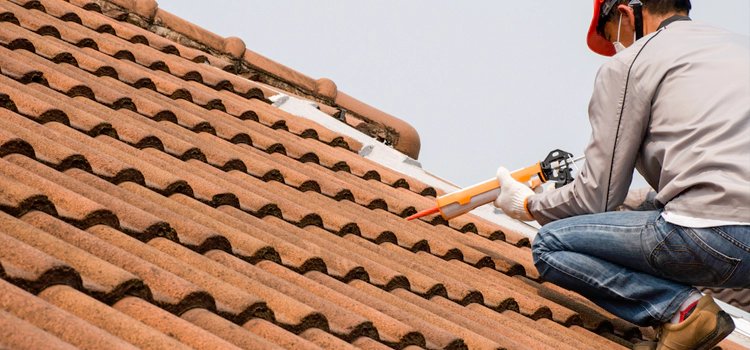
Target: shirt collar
column 672, row 19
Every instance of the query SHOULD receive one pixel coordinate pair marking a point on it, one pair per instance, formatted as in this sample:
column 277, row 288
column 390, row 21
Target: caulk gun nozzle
column 423, row 213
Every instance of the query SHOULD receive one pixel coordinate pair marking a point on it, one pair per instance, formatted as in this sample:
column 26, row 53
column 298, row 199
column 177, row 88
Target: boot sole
column 724, row 326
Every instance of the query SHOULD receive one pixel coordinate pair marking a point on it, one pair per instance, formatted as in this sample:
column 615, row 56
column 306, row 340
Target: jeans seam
column 730, row 239
column 647, row 256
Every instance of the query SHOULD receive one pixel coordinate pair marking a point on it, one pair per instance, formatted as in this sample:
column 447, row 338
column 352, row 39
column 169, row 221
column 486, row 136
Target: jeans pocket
column 686, row 258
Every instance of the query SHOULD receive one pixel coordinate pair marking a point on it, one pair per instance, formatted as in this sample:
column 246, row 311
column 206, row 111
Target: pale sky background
column 485, row 83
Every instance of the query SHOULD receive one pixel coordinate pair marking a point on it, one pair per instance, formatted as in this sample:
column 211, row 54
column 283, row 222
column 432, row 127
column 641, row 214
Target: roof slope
column 152, row 198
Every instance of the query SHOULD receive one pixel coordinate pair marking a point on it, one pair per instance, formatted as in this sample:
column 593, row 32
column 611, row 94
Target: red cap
column 596, row 42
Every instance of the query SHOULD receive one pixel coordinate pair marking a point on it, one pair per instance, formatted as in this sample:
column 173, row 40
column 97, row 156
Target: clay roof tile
column 71, row 206
column 228, row 331
column 391, row 331
column 56, row 321
column 109, row 319
column 343, row 323
column 19, row 334
column 231, row 303
column 182, row 330
column 169, row 292
column 32, row 269
column 101, row 280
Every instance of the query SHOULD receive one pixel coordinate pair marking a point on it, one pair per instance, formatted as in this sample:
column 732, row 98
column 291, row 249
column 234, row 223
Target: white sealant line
column 392, row 159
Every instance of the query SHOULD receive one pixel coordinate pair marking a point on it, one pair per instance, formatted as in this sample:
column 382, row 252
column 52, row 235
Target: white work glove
column 513, row 195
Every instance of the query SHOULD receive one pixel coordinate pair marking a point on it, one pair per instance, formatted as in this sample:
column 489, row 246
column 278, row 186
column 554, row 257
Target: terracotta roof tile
column 101, row 280
column 202, row 189
column 456, row 316
column 16, row 333
column 101, row 163
column 271, row 205
column 18, row 70
column 31, row 269
column 71, row 206
column 425, row 280
column 28, row 105
column 277, row 335
column 45, row 150
column 739, row 298
column 289, row 313
column 375, row 272
column 365, row 343
column 435, row 336
column 56, row 321
column 557, row 330
column 134, row 221
column 496, row 298
column 169, row 292
column 471, row 338
column 17, row 199
column 390, row 330
column 228, row 331
column 56, row 79
column 184, row 331
column 325, row 340
column 354, row 220
column 503, row 323
column 594, row 317
column 109, row 319
column 340, row 224
column 233, row 223
column 342, row 322
column 187, row 232
column 231, row 302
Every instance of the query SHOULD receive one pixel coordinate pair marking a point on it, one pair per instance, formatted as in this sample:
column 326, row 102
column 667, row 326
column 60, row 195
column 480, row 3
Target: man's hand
column 513, row 196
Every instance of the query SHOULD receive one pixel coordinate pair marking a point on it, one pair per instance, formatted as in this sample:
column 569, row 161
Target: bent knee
column 540, row 244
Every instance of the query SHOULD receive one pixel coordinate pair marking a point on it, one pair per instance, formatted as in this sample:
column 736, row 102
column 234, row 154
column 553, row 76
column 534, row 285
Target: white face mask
column 618, row 45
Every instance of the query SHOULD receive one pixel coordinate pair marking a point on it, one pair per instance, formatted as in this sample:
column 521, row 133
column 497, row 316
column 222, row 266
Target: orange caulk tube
column 462, row 201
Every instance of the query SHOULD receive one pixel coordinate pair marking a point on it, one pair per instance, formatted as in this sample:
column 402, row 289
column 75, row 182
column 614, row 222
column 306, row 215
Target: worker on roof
column 673, row 102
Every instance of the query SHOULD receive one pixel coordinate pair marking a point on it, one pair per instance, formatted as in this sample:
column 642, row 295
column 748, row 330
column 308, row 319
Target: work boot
column 702, row 330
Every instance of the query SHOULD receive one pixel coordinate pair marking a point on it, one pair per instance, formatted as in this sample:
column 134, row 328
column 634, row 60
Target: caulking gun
column 556, row 167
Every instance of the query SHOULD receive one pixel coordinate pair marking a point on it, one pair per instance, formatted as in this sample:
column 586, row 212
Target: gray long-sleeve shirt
column 676, row 107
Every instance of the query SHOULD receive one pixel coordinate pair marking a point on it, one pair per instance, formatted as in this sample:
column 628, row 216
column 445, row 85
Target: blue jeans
column 638, row 266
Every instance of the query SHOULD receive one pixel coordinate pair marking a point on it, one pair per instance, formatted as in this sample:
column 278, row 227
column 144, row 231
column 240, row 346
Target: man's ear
column 627, row 12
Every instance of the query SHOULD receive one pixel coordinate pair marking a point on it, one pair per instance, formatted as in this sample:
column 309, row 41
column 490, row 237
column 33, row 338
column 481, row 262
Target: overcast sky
column 485, row 83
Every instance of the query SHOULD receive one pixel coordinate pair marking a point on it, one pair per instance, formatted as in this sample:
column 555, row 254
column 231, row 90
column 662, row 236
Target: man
column 675, row 105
